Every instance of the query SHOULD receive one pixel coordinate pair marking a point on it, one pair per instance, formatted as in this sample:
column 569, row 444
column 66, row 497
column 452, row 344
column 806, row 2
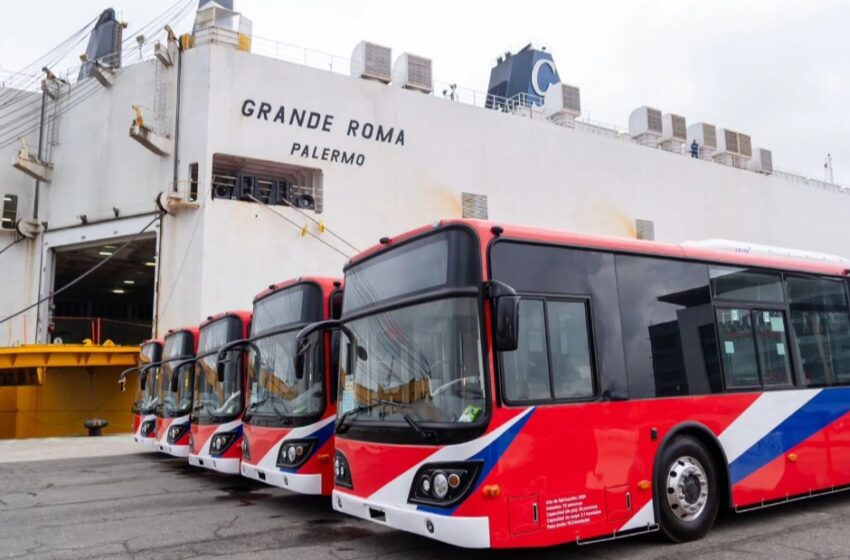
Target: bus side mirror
column 336, row 337
column 506, row 334
column 220, row 364
column 506, row 316
column 303, row 343
column 302, row 348
column 175, row 374
column 359, row 353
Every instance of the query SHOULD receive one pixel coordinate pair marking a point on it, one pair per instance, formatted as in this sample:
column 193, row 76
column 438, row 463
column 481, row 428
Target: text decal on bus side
column 323, row 122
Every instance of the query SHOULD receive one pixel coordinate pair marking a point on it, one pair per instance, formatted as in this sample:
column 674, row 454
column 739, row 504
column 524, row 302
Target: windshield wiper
column 205, row 406
column 343, row 424
column 274, row 408
column 426, row 434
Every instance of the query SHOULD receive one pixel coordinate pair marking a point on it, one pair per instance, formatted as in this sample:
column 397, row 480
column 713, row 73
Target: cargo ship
column 174, row 174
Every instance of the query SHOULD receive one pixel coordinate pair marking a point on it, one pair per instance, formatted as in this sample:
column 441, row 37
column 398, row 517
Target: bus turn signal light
column 644, row 485
column 492, row 491
column 792, row 457
column 323, row 458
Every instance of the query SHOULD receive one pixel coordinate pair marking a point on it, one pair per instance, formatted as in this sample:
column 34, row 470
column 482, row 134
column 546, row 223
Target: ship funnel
column 528, row 74
column 104, row 48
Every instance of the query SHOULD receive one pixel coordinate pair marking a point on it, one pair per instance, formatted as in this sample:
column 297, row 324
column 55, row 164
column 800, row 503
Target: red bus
column 289, row 418
column 175, row 387
column 149, row 352
column 219, row 400
column 505, row 386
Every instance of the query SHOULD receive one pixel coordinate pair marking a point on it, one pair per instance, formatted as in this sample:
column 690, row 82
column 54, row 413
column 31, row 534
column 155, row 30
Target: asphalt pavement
column 146, row 505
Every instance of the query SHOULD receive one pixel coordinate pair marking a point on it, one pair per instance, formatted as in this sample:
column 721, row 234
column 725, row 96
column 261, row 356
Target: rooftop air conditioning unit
column 727, row 141
column 745, row 146
column 762, row 161
column 413, row 72
column 673, row 127
column 645, row 125
column 704, row 134
column 562, row 103
column 217, row 23
column 372, row 62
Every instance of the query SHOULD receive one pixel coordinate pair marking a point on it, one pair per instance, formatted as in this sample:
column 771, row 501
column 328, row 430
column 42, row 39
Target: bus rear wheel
column 687, row 491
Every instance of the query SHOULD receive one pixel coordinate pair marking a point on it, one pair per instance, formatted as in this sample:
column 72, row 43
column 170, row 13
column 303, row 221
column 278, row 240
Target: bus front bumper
column 468, row 532
column 301, row 483
column 174, row 450
column 227, row 466
column 147, row 442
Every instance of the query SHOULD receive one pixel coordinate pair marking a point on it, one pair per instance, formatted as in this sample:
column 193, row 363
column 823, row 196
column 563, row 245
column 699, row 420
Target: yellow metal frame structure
column 29, row 362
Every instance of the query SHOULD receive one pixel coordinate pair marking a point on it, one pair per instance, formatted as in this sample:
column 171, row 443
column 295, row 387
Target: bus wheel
column 687, row 490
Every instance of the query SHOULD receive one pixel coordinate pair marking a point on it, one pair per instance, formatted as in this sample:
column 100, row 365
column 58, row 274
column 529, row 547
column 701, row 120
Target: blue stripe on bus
column 822, row 410
column 490, row 455
column 323, row 434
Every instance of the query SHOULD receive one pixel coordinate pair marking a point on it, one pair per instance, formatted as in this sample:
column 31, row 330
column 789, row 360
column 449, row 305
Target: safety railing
column 77, row 330
column 523, row 104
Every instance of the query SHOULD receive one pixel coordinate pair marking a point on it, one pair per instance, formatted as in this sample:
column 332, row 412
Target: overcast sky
column 777, row 70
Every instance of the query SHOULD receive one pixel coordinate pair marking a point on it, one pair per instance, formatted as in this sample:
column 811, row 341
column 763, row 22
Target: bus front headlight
column 295, row 453
column 444, row 484
column 221, row 442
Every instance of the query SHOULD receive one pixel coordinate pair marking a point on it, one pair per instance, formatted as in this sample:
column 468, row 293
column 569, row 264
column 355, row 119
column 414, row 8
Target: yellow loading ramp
column 27, row 364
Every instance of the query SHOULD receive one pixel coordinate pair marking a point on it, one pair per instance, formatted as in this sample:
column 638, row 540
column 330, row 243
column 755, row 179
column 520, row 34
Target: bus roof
column 327, row 283
column 244, row 316
column 484, row 229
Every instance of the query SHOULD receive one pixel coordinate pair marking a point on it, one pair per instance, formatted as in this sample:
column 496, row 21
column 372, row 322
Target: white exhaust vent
column 645, row 126
column 727, row 141
column 372, row 62
column 762, row 161
column 413, row 72
column 645, row 229
column 474, row 205
column 562, row 104
column 745, row 145
column 704, row 134
column 673, row 127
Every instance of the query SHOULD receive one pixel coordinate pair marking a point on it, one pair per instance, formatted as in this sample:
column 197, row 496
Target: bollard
column 95, row 425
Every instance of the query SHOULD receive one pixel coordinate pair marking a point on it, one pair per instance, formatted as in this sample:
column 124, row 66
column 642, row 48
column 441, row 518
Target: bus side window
column 821, row 322
column 526, row 370
column 753, row 345
column 553, row 359
column 668, row 324
column 569, row 340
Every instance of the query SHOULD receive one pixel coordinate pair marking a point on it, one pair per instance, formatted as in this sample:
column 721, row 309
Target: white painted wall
column 532, row 171
column 19, row 265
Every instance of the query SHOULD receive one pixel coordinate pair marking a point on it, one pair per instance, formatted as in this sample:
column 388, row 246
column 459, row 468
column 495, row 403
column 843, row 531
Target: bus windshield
column 217, row 401
column 275, row 395
column 150, row 399
column 175, row 403
column 420, row 361
column 150, row 352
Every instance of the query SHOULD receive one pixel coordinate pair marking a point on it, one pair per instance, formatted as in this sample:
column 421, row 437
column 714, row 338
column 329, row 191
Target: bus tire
column 687, row 489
